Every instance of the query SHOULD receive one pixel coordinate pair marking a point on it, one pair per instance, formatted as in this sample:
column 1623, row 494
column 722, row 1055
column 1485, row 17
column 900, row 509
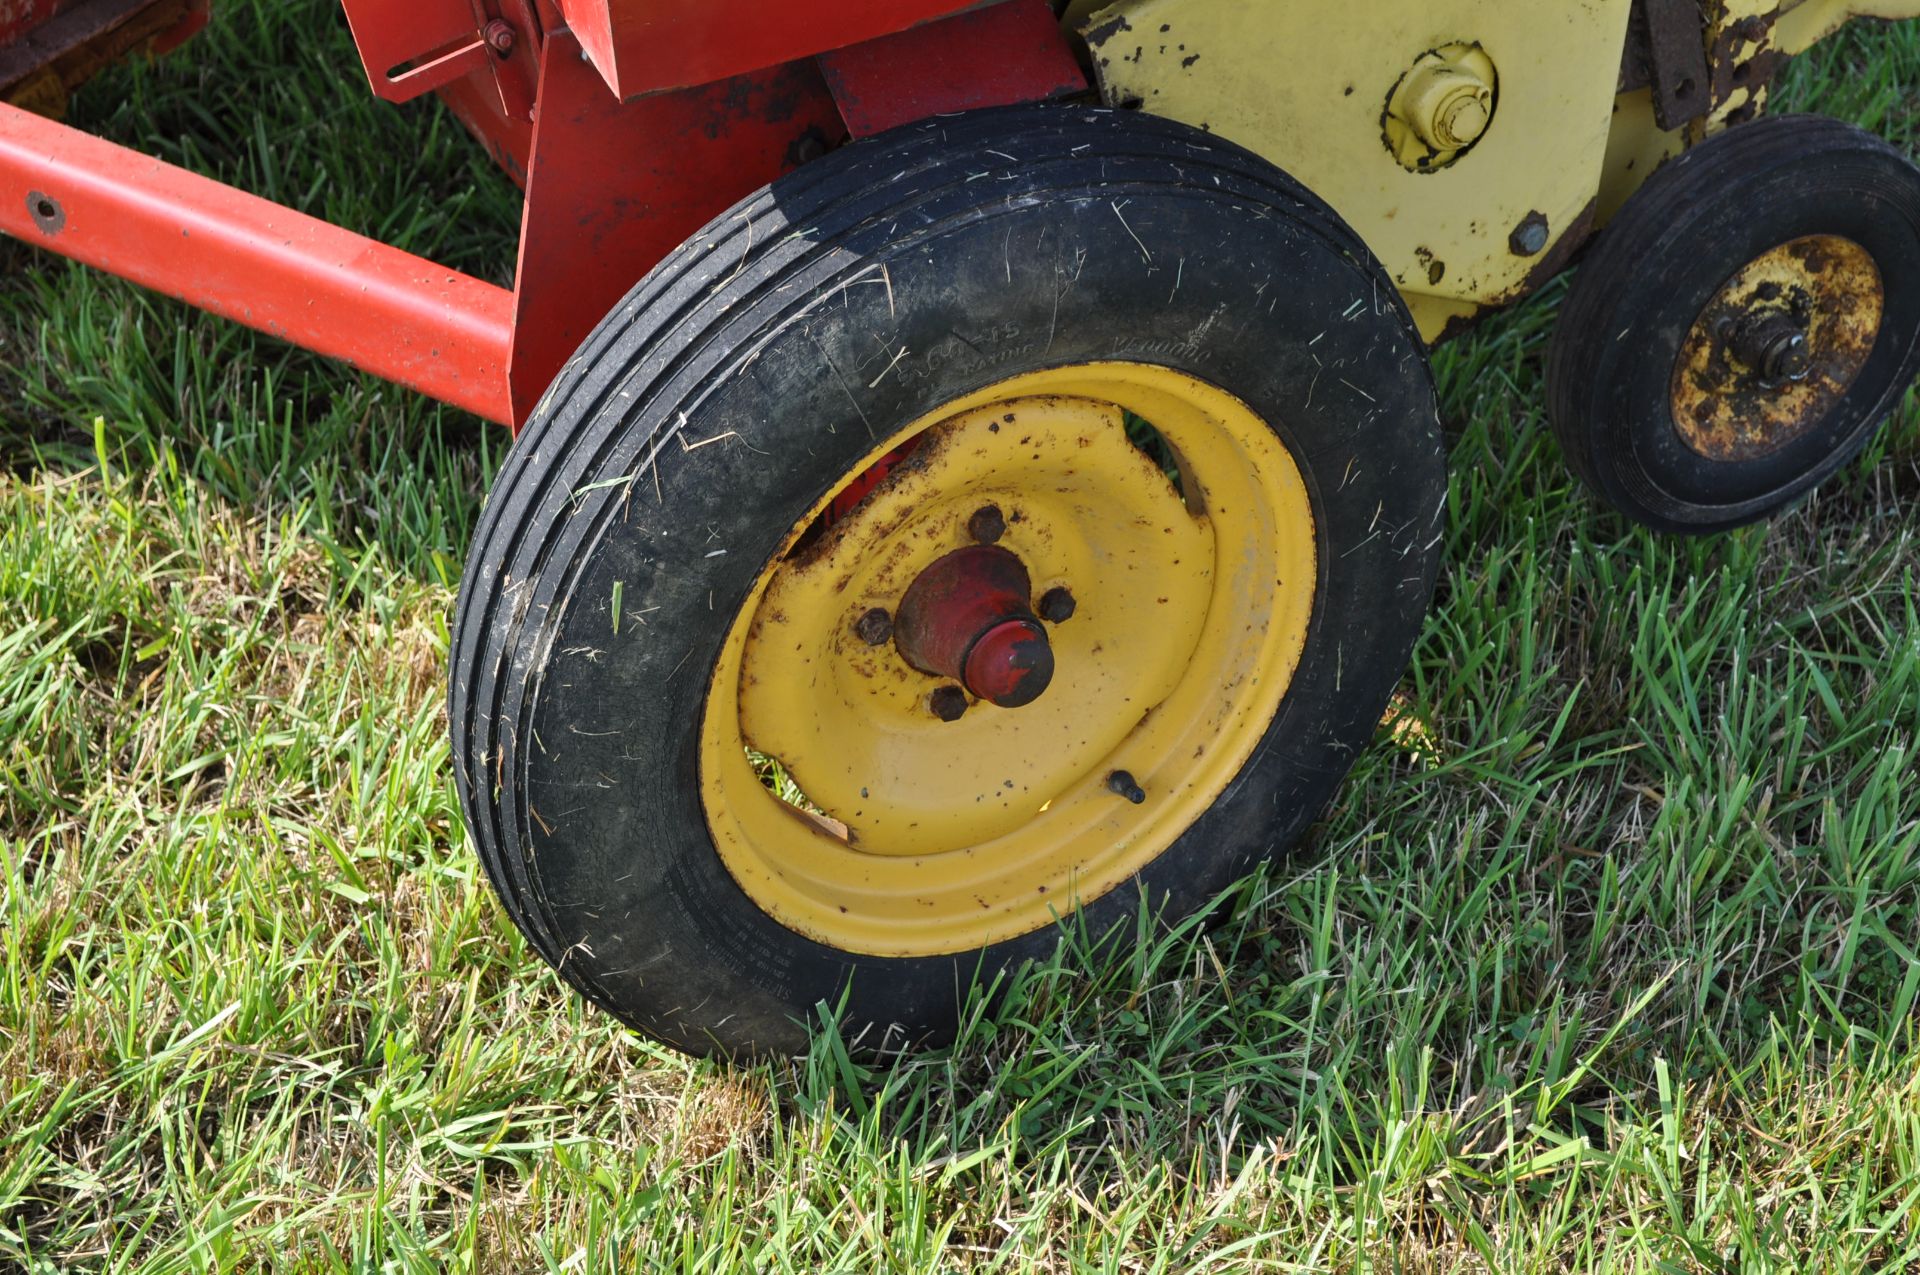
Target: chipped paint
column 1310, row 86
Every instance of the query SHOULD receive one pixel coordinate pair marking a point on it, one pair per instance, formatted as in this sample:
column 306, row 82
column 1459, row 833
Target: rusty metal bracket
column 41, row 66
column 1676, row 36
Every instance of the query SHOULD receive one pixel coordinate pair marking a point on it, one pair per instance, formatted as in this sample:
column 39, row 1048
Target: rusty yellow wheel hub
column 1777, row 348
column 935, row 820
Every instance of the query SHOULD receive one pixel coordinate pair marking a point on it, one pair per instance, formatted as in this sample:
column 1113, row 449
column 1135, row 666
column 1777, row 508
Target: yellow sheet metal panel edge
column 1804, row 24
column 1308, row 87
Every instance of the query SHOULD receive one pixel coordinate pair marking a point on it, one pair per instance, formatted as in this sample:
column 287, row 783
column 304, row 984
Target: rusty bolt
column 1056, row 606
column 987, row 524
column 500, row 36
column 948, row 703
column 875, row 627
column 1121, row 782
column 1530, row 236
column 1774, row 346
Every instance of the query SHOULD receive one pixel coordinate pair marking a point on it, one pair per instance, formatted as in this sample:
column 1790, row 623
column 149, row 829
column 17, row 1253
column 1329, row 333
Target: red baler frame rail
column 613, row 181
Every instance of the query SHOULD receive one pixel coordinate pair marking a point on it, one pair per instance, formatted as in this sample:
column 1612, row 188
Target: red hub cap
column 967, row 616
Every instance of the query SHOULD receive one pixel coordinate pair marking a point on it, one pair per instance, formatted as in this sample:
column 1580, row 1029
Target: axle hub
column 967, row 617
column 1775, row 346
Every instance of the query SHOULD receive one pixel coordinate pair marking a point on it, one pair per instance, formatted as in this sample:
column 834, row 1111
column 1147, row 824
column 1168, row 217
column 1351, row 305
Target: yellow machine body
column 1473, row 144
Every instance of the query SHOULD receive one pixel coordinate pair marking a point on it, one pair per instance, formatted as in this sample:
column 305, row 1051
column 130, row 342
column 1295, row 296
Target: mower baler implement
column 945, row 510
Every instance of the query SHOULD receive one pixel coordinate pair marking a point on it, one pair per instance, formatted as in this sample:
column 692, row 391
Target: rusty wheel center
column 1777, row 348
column 967, row 616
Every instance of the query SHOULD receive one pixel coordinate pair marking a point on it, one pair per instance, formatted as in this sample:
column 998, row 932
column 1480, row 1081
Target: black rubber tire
column 1014, row 239
column 1698, row 220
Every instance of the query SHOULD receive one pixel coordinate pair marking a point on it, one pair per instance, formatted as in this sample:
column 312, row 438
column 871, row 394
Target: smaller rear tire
column 1743, row 326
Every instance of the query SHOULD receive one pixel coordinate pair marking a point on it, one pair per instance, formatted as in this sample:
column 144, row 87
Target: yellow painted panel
column 1307, row 85
column 1636, row 146
column 1805, row 24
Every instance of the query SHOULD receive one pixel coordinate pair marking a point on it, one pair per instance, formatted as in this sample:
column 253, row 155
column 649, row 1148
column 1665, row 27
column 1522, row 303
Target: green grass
column 1606, row 958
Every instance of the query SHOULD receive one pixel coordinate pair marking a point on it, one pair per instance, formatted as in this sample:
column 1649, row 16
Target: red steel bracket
column 613, row 187
column 414, row 48
column 647, row 46
column 1010, row 52
column 287, row 274
column 411, row 47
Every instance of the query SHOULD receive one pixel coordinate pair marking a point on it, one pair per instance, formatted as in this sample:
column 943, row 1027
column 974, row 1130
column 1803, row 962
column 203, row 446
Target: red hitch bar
column 292, row 276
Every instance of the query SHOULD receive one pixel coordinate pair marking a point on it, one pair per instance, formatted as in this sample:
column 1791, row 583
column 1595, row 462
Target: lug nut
column 948, row 703
column 1056, row 606
column 875, row 627
column 987, row 524
column 1121, row 782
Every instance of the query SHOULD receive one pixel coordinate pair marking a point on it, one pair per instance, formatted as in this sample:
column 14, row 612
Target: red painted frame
column 568, row 95
column 647, row 46
column 249, row 259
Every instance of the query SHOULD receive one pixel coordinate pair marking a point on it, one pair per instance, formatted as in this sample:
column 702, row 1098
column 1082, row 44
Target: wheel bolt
column 1056, row 606
column 1121, row 782
column 987, row 524
column 875, row 627
column 1773, row 345
column 1788, row 359
column 948, row 703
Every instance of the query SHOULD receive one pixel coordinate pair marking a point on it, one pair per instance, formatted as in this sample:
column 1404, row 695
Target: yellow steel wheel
column 1192, row 604
column 1777, row 348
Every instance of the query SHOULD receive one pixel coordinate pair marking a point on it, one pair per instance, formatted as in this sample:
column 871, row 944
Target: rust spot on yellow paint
column 1727, row 404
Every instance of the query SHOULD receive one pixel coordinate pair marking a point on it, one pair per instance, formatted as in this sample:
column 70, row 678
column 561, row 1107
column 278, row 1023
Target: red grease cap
column 1010, row 664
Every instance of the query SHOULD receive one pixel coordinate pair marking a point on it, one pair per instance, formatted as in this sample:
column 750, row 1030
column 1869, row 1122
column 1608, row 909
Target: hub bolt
column 987, row 524
column 948, row 703
column 1056, row 606
column 1122, row 783
column 1788, row 359
column 1774, row 345
column 875, row 627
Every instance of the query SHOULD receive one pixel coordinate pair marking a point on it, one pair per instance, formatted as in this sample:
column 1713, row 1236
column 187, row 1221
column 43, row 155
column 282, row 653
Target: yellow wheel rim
column 1826, row 289
column 1192, row 606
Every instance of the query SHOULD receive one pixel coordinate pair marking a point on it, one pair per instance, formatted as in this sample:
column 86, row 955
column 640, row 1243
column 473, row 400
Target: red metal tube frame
column 292, row 276
column 612, row 186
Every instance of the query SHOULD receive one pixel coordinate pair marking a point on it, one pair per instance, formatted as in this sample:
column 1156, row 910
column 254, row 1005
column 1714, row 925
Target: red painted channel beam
column 289, row 275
